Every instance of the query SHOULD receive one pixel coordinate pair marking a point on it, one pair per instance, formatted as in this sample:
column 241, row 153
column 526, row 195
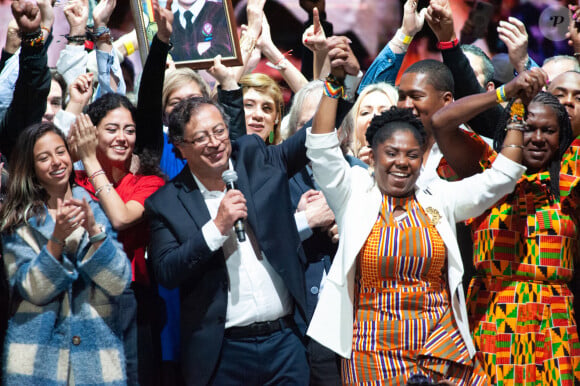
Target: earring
column 271, row 137
column 276, row 121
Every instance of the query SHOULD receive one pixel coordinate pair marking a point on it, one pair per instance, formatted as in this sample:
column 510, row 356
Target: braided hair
column 565, row 135
column 384, row 125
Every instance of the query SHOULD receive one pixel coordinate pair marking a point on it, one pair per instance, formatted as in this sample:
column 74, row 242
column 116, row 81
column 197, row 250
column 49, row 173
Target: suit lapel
column 244, row 186
column 191, row 198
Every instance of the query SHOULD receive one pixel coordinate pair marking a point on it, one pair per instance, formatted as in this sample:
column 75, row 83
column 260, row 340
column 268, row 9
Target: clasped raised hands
column 526, row 85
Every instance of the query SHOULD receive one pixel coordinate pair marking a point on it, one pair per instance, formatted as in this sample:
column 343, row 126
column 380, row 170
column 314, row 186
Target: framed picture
column 202, row 30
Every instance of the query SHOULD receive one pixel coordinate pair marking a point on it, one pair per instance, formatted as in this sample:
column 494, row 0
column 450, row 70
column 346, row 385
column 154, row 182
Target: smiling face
column 566, row 88
column 261, row 113
column 397, row 162
column 372, row 104
column 417, row 93
column 52, row 163
column 116, row 137
column 211, row 159
column 541, row 138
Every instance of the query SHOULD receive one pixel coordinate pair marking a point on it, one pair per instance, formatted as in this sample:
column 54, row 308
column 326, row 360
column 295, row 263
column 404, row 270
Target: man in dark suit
column 200, row 30
column 237, row 298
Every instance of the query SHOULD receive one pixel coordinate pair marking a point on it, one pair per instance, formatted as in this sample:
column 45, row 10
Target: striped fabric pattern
column 403, row 322
column 519, row 305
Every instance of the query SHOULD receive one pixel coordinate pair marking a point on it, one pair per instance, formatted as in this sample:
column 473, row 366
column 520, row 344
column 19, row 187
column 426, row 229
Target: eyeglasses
column 203, row 139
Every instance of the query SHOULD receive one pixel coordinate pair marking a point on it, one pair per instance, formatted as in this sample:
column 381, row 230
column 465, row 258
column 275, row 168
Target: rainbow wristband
column 332, row 90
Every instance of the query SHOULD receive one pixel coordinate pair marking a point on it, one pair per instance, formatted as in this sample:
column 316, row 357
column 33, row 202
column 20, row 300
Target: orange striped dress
column 403, row 321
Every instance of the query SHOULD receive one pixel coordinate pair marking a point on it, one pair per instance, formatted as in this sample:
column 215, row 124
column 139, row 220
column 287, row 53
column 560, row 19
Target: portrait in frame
column 202, row 30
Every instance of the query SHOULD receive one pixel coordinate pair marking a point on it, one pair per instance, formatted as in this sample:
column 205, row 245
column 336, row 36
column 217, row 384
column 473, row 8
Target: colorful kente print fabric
column 403, row 321
column 519, row 305
column 571, row 159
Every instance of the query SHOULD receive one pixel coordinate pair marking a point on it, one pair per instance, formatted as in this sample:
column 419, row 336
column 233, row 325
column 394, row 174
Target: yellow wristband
column 500, row 94
column 129, row 47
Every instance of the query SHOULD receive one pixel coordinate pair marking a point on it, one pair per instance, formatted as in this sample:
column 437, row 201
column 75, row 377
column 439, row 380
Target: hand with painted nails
column 513, row 33
column 573, row 34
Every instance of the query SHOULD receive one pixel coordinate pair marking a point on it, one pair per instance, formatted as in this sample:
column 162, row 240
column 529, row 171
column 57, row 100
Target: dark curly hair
column 565, row 135
column 384, row 125
column 148, row 160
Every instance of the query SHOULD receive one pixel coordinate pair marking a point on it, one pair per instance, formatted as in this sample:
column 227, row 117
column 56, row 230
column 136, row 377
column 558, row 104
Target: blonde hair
column 179, row 77
column 349, row 124
column 266, row 85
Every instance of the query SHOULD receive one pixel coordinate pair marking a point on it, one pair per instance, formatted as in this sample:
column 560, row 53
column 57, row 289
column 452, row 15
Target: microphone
column 230, row 177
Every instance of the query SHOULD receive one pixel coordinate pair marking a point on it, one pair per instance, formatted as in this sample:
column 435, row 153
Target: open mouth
column 58, row 173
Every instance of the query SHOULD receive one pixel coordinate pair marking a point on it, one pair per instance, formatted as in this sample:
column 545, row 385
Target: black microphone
column 230, row 177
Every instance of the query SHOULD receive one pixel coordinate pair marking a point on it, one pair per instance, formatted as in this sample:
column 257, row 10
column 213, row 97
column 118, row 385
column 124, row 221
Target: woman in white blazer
column 380, row 343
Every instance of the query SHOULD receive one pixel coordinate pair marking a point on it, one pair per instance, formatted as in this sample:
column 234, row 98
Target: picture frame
column 195, row 43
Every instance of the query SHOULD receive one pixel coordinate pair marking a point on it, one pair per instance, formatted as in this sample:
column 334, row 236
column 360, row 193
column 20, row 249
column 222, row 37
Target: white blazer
column 355, row 199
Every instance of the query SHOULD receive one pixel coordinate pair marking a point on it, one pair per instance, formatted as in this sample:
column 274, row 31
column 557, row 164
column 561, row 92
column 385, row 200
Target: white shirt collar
column 205, row 192
column 195, row 9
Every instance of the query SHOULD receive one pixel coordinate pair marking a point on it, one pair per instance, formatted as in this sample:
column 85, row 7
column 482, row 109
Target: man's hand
column 77, row 14
column 103, row 11
column 318, row 213
column 342, row 59
column 164, row 18
column 225, row 76
column 232, row 208
column 526, row 85
column 413, row 21
column 513, row 34
column 27, row 16
column 440, row 18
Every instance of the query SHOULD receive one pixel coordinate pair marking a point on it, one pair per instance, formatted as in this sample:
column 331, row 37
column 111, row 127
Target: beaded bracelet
column 95, row 174
column 76, row 38
column 35, row 38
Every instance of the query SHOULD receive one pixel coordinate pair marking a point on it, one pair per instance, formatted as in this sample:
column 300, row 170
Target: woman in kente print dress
column 392, row 303
column 520, row 307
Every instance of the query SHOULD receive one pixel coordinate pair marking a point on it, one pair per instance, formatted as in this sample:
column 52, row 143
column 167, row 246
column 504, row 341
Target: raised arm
column 110, row 74
column 72, row 61
column 122, row 215
column 513, row 34
column 291, row 74
column 314, row 38
column 33, row 83
column 461, row 151
column 440, row 20
column 387, row 64
column 149, row 119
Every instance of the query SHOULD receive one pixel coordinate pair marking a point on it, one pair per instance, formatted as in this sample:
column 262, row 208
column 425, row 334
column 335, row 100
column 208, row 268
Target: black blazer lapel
column 191, row 197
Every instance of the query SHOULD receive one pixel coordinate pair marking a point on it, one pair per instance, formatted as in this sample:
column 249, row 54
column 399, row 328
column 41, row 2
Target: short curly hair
column 384, row 125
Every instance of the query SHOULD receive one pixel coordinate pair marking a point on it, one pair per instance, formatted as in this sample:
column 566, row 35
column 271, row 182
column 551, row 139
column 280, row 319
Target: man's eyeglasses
column 203, row 139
